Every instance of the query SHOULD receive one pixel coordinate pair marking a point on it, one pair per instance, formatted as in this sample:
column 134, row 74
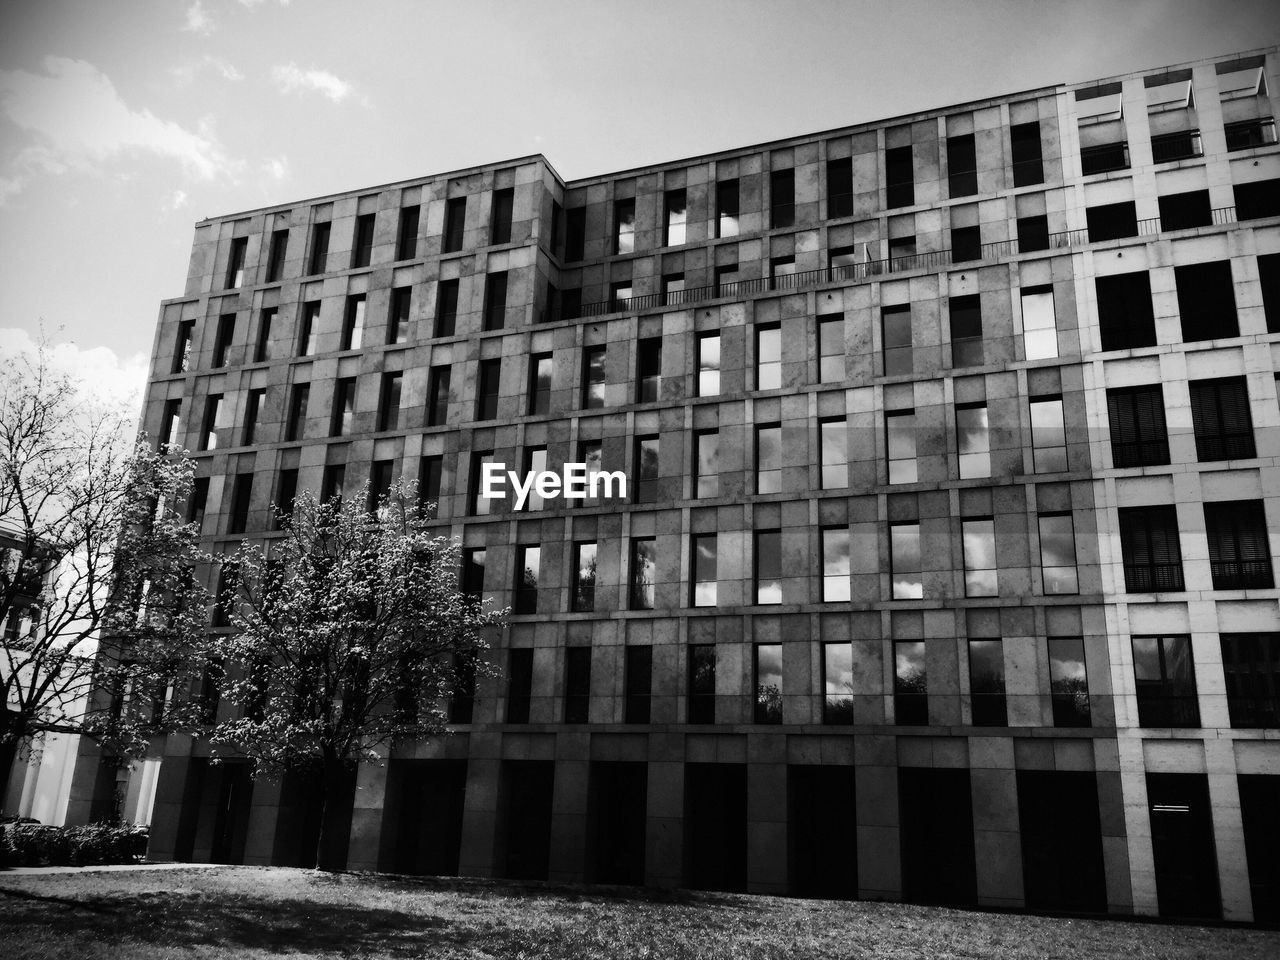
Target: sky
column 122, row 124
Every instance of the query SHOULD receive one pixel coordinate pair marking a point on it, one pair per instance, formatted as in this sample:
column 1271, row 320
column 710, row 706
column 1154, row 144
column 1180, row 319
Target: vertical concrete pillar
column 1111, row 819
column 879, row 851
column 166, row 812
column 569, row 820
column 366, row 816
column 766, row 813
column 664, row 836
column 83, row 783
column 480, row 816
column 264, row 814
column 1228, row 831
column 1137, row 824
column 996, row 837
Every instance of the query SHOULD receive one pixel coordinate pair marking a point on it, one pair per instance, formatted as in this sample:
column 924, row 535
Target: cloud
column 8, row 187
column 198, row 21
column 186, row 72
column 79, row 120
column 175, row 202
column 103, row 376
column 292, row 78
column 277, row 167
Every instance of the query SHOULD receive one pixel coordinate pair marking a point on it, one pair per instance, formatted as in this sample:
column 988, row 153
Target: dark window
column 703, row 576
column 438, row 396
column 170, row 423
column 706, row 463
column 1257, row 200
column 296, row 423
column 446, row 307
column 583, row 599
column 398, row 315
column 473, row 567
column 575, row 233
column 276, row 257
column 344, row 407
column 353, row 323
column 262, row 350
column 638, row 680
column 319, row 248
column 1239, row 556
column 1269, row 276
column 1112, row 221
column 381, row 473
column 768, row 676
column 430, row 472
column 389, row 401
column 209, row 428
column 252, row 410
column 1254, row 132
column 1166, row 682
column 782, row 199
column 500, row 218
column 593, row 377
column 1033, row 233
column 557, row 217
column 487, row 397
column 1138, row 434
column 1058, row 553
column 986, row 683
column 966, row 244
column 782, row 271
column 1125, row 313
column 837, row 683
column 455, row 221
column 910, row 683
column 1152, row 554
column 900, row 187
column 1206, row 301
column 1104, row 157
column 182, row 348
column 840, row 188
column 768, row 566
column 199, row 500
column 646, row 469
column 528, row 566
column 407, row 233
column 1182, row 145
column 727, row 210
column 673, row 289
column 463, row 696
column 1221, row 420
column 540, row 367
column 577, row 684
column 726, row 280
column 362, row 249
column 235, row 262
column 897, row 340
column 495, row 301
column 624, row 224
column 1068, row 682
column 332, row 482
column 1179, row 211
column 966, row 331
column 222, row 341
column 519, row 683
column 480, row 506
column 902, row 253
column 1251, row 662
column 241, row 495
column 1028, row 165
column 643, row 572
column 675, row 217
column 768, row 458
column 701, row 707
column 962, row 166
column 286, row 492
column 648, row 369
column 308, row 332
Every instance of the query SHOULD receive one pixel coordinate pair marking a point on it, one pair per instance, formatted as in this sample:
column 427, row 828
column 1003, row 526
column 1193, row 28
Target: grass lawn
column 249, row 912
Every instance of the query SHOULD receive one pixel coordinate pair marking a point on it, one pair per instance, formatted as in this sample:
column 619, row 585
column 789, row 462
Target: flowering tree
column 348, row 633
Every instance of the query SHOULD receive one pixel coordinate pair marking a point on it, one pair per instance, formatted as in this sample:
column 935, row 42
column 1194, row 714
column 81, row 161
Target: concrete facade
column 969, row 491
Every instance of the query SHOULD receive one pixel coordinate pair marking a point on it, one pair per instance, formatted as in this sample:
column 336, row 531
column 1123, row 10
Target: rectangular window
column 704, row 576
column 308, row 331
column 474, row 560
column 708, row 364
column 986, row 683
column 528, row 562
column 170, row 424
column 896, row 327
column 344, row 407
column 262, row 350
column 1139, row 437
column 1112, row 221
column 620, row 295
column 535, row 462
column 519, row 678
column 701, row 694
column 252, row 410
column 362, row 249
column 831, row 349
column 837, row 683
column 899, row 177
column 198, row 501
column 593, row 377
column 647, row 467
column 1239, row 555
column 1125, row 313
column 241, row 495
column 966, row 244
column 319, row 262
column 1068, row 682
column 1058, row 554
column 638, row 684
column 286, row 493
column 768, row 566
column 222, row 341
column 900, row 443
column 407, row 233
column 430, row 473
column 1165, row 676
column 212, row 416
column 675, row 214
column 644, row 558
column 278, row 251
column 487, row 395
column 500, row 216
column 769, row 458
column 1104, row 157
column 455, row 221
column 332, row 482
column 1039, row 324
column 768, row 674
column 389, row 401
column 591, row 453
column 438, row 396
column 782, row 199
column 353, row 323
column 1258, row 199
column 1033, row 233
column 584, row 578
column 962, row 166
column 495, row 301
column 446, row 308
column 973, row 440
column 833, row 437
column 706, row 461
column 726, row 280
column 1152, row 553
column 835, row 565
column 966, row 331
column 1048, row 435
column 575, row 234
column 1181, row 211
column 1028, row 165
column 1221, row 419
column 182, row 349
column 1206, row 301
column 673, row 287
column 1247, row 134
column 649, row 370
column 1269, row 278
column 782, row 272
column 727, row 211
column 624, row 220
column 462, row 697
column 235, row 262
column 398, row 315
column 1182, row 145
column 768, row 357
column 1251, row 662
column 540, row 365
column 381, row 474
column 840, row 188
column 905, row 566
column 910, row 684
column 981, row 577
column 295, row 427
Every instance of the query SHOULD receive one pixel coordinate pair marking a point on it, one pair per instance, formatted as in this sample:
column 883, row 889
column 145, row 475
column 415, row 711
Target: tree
column 348, row 633
column 97, row 592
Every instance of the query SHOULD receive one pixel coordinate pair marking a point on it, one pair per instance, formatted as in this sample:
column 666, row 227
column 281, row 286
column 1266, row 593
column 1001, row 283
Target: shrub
column 37, row 845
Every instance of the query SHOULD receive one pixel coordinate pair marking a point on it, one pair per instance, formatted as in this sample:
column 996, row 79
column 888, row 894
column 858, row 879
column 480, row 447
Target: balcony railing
column 1104, row 157
column 1183, row 145
column 1245, row 134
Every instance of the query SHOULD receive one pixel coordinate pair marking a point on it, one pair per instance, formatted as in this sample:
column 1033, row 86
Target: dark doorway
column 1260, row 810
column 303, row 810
column 822, row 836
column 189, row 816
column 231, row 815
column 715, row 826
column 525, row 818
column 1061, row 841
column 1182, row 843
column 616, row 807
column 935, row 810
column 422, row 818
